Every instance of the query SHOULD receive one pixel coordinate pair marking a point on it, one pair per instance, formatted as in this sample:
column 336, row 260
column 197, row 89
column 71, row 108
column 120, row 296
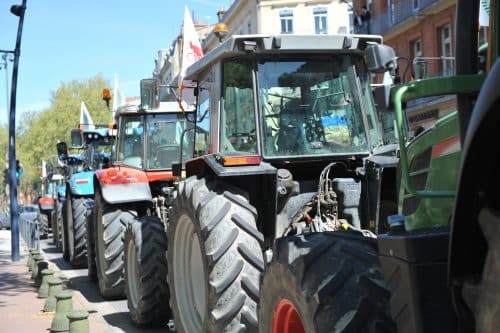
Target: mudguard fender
column 82, row 183
column 123, row 184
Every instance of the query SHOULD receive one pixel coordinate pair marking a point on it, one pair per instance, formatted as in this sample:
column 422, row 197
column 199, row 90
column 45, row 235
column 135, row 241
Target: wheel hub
column 286, row 318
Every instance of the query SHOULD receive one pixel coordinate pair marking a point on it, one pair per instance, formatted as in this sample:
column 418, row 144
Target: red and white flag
column 191, row 52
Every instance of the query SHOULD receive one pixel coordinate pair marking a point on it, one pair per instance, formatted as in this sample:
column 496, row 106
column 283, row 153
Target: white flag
column 191, row 52
column 86, row 121
column 484, row 13
column 117, row 94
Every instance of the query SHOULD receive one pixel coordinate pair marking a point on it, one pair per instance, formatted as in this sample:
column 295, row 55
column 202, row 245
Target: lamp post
column 17, row 10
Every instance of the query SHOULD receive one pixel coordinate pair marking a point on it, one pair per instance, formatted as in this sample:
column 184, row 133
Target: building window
column 249, row 27
column 419, row 65
column 320, row 20
column 446, row 56
column 286, row 19
column 390, row 6
column 416, row 4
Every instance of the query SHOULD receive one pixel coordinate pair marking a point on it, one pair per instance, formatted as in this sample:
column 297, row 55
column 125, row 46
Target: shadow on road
column 122, row 321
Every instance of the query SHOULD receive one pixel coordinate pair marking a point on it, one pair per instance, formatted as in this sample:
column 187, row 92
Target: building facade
column 302, row 17
column 422, row 32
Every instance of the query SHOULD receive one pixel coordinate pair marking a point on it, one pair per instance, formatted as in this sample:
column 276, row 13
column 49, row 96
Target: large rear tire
column 485, row 298
column 64, row 230
column 110, row 222
column 43, row 225
column 91, row 250
column 215, row 259
column 58, row 227
column 324, row 282
column 146, row 272
column 77, row 245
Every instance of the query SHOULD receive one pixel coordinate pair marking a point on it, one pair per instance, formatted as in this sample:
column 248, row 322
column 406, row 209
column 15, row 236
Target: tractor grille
column 418, row 181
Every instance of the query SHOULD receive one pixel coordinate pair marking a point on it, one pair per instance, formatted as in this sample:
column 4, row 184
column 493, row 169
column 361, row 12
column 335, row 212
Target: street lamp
column 17, row 10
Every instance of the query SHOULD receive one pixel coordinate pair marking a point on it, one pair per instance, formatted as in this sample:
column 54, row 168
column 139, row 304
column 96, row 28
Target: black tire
column 146, row 272
column 64, row 230
column 43, row 225
column 332, row 281
column 90, row 239
column 77, row 245
column 110, row 222
column 485, row 304
column 59, row 226
column 53, row 218
column 230, row 248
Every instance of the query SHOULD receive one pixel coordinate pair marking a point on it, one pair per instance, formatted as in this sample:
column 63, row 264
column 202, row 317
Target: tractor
column 95, row 143
column 133, row 200
column 439, row 254
column 297, row 179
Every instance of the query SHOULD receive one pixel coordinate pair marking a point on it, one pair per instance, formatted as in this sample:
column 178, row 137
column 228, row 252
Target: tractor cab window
column 238, row 112
column 314, row 106
column 131, row 141
column 163, row 140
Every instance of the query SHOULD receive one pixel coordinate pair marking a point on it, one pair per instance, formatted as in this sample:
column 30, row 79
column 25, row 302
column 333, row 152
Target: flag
column 484, row 13
column 86, row 121
column 117, row 94
column 191, row 52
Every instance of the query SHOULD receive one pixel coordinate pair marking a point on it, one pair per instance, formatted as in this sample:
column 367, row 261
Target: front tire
column 324, row 282
column 77, row 246
column 215, row 259
column 110, row 222
column 146, row 272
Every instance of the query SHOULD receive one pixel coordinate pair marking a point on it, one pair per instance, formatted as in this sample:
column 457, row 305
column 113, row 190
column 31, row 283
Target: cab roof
column 281, row 44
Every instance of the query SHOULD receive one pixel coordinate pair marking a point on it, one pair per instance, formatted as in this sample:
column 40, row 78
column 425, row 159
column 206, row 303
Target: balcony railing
column 398, row 13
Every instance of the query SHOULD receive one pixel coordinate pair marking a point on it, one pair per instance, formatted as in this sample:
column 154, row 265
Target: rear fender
column 82, row 183
column 46, row 203
column 123, row 184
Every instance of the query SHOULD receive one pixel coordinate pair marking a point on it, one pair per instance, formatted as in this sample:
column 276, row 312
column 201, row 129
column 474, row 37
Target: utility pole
column 17, row 10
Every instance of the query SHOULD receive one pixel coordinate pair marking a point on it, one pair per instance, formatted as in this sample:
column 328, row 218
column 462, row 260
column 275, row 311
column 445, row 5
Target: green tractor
column 297, row 181
column 440, row 257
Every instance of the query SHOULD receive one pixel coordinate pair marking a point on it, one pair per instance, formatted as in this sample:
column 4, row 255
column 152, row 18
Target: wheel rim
column 286, row 318
column 132, row 275
column 190, row 288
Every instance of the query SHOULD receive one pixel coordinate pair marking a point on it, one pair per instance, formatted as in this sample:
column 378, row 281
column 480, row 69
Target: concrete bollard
column 34, row 269
column 40, row 267
column 33, row 253
column 30, row 256
column 43, row 291
column 60, row 322
column 78, row 321
column 55, row 287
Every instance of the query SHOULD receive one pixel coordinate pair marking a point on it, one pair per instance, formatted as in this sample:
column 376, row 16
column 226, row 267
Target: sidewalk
column 20, row 309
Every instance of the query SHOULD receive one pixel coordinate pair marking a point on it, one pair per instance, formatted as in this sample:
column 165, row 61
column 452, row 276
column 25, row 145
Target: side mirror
column 177, row 169
column 76, row 138
column 62, row 150
column 380, row 58
column 149, row 94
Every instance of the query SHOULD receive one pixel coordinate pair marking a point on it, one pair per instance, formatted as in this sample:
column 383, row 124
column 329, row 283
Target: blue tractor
column 95, row 145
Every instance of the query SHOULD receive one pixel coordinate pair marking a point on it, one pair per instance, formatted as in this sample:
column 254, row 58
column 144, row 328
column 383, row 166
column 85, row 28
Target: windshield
column 315, row 106
column 30, row 209
column 164, row 138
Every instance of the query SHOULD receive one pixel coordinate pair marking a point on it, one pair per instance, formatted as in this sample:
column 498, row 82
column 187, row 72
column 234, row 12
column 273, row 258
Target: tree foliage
column 38, row 133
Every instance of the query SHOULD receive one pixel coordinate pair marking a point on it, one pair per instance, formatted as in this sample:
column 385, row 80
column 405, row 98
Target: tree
column 39, row 133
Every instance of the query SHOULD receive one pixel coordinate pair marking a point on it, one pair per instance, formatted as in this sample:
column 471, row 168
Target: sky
column 78, row 39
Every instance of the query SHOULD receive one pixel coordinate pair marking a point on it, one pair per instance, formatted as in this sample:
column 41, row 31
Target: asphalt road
column 114, row 314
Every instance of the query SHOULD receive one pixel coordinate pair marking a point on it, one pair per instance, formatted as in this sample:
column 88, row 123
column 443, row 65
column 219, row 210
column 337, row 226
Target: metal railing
column 398, row 13
column 30, row 232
